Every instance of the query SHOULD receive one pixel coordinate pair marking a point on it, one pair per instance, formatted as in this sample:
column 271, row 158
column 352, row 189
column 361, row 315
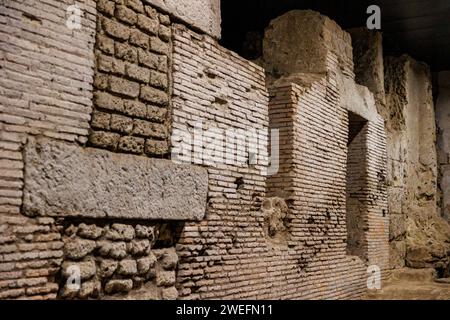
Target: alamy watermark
column 214, row 147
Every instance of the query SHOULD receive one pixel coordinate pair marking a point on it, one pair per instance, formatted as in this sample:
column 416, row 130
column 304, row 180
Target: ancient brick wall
column 443, row 147
column 313, row 184
column 297, row 236
column 46, row 89
column 402, row 89
column 58, row 95
column 115, row 258
column 131, row 93
column 181, row 202
column 225, row 255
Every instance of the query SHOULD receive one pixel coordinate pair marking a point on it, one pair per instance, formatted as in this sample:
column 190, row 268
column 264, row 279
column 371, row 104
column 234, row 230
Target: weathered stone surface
column 90, row 289
column 67, row 180
column 202, row 14
column 167, row 258
column 127, row 267
column 291, row 43
column 369, row 65
column 443, row 141
column 144, row 264
column 115, row 250
column 169, row 293
column 119, row 232
column 145, row 232
column 107, row 268
column 119, row 286
column 78, row 248
column 87, row 269
column 140, row 247
column 89, row 231
column 165, row 278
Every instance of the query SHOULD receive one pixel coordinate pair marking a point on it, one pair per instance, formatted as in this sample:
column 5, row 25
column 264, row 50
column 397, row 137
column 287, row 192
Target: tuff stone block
column 94, row 183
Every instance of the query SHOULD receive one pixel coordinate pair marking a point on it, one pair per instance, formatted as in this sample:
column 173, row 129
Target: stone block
column 139, row 39
column 126, row 15
column 135, row 109
column 202, row 14
column 156, row 147
column 121, row 123
column 116, row 30
column 149, row 129
column 131, row 144
column 119, row 286
column 65, row 180
column 147, row 24
column 103, row 139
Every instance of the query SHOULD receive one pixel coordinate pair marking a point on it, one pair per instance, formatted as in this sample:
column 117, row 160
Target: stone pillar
column 443, row 124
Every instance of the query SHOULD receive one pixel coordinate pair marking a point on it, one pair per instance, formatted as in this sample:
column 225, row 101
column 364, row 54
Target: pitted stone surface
column 201, row 14
column 67, row 180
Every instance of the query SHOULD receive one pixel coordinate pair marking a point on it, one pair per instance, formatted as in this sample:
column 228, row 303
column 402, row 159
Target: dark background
column 420, row 28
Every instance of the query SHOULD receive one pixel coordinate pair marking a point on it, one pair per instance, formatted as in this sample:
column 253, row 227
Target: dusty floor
column 413, row 284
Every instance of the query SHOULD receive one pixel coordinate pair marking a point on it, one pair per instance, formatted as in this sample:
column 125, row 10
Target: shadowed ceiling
column 420, row 28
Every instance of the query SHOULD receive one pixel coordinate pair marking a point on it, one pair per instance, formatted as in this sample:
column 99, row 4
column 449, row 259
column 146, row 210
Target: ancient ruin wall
column 443, row 146
column 46, row 89
column 132, row 86
column 44, row 130
column 225, row 255
column 349, row 99
column 402, row 89
column 418, row 234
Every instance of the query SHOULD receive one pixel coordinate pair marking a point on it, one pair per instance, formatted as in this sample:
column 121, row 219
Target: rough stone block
column 156, row 147
column 106, row 101
column 131, row 144
column 147, row 24
column 156, row 114
column 119, row 286
column 104, row 139
column 153, row 95
column 67, row 180
column 100, row 120
column 105, row 44
column 126, row 52
column 135, row 109
column 158, row 79
column 124, row 87
column 139, row 39
column 159, row 46
column 202, row 14
column 137, row 73
column 165, row 33
column 106, row 6
column 121, row 123
column 148, row 59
